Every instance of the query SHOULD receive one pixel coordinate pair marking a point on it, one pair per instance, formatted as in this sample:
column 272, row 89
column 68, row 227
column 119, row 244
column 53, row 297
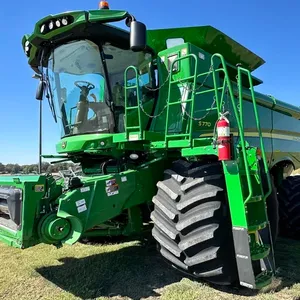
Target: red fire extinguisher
column 223, row 141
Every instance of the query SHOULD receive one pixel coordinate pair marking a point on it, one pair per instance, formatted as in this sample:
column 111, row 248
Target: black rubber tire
column 289, row 207
column 272, row 204
column 192, row 222
column 273, row 213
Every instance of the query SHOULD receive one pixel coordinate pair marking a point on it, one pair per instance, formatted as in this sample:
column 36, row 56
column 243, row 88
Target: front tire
column 192, row 224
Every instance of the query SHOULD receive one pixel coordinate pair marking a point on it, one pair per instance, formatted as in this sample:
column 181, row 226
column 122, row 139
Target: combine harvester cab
column 168, row 130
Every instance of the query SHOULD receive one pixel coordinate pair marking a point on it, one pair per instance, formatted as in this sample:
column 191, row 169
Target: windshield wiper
column 109, row 103
column 49, row 96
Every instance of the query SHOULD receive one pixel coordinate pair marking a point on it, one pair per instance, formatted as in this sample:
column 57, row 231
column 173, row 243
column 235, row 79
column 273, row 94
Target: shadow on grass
column 287, row 260
column 134, row 272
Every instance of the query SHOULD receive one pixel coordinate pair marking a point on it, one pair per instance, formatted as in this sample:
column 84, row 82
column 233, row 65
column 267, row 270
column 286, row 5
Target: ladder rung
column 259, row 251
column 132, row 107
column 181, row 80
column 220, row 69
column 255, row 199
column 255, row 226
column 133, row 127
column 131, row 87
column 207, row 109
column 208, row 91
column 263, row 279
column 203, row 74
column 178, row 135
column 179, row 102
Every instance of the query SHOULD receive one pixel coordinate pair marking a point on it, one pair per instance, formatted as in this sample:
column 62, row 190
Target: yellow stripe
column 265, row 135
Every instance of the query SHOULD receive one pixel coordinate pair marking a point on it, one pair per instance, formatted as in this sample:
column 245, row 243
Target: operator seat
column 102, row 121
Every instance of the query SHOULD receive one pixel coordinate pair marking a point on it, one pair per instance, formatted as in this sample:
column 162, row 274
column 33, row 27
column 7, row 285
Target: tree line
column 33, row 169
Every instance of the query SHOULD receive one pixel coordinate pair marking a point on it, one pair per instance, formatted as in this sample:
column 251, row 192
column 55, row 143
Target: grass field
column 128, row 270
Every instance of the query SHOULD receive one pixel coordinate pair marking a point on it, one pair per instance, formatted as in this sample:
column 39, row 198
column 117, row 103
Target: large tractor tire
column 192, row 222
column 289, row 207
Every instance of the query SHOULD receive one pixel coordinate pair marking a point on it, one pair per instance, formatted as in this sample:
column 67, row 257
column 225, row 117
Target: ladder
column 243, row 176
column 132, row 132
column 247, row 197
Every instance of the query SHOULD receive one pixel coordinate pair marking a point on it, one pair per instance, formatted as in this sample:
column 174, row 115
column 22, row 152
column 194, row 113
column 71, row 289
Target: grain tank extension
column 168, row 131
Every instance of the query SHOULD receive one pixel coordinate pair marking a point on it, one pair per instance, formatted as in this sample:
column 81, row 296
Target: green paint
column 37, row 194
column 198, row 81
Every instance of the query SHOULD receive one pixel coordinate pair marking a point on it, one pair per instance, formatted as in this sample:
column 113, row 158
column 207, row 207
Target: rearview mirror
column 138, row 36
column 40, row 90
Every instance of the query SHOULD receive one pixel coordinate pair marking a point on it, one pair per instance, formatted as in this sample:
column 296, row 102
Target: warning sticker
column 223, row 131
column 124, row 179
column 85, row 189
column 111, row 182
column 82, row 208
column 112, row 190
column 39, row 188
column 80, row 202
column 81, row 205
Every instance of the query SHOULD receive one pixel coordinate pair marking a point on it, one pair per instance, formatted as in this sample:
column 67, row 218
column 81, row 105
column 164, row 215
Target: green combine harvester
column 169, row 131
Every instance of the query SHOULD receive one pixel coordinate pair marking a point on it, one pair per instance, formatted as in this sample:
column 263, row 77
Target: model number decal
column 204, row 124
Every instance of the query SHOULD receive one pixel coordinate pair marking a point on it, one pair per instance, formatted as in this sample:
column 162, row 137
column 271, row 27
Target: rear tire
column 192, row 222
column 289, row 207
column 273, row 213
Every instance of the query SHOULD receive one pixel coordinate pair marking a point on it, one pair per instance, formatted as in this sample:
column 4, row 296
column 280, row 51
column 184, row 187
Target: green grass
column 128, row 270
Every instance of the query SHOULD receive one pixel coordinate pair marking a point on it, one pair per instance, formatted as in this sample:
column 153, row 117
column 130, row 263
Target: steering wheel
column 89, row 86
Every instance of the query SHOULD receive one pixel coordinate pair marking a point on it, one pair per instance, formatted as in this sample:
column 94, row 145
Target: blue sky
column 268, row 28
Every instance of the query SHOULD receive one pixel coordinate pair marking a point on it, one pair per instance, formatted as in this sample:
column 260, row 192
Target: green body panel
column 198, row 82
column 209, row 39
column 37, row 193
column 45, row 207
column 131, row 186
column 81, row 143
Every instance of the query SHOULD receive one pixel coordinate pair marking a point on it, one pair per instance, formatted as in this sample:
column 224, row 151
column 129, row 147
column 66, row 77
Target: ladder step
column 131, row 87
column 175, row 135
column 208, row 91
column 263, row 279
column 132, row 107
column 205, row 110
column 183, row 79
column 133, row 127
column 258, row 225
column 259, row 251
column 255, row 199
column 180, row 102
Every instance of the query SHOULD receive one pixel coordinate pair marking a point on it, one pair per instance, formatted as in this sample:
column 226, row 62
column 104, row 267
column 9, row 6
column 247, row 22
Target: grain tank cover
column 210, row 40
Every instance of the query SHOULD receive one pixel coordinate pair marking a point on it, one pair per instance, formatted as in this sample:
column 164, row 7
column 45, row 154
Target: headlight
column 57, row 23
column 27, row 47
column 64, row 21
column 51, row 25
column 43, row 27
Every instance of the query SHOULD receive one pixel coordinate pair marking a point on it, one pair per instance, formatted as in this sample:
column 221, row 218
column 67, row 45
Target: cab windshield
column 86, row 84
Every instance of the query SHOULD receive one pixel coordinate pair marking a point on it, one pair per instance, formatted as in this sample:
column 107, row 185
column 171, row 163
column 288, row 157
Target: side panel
column 105, row 197
column 286, row 138
column 20, row 199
